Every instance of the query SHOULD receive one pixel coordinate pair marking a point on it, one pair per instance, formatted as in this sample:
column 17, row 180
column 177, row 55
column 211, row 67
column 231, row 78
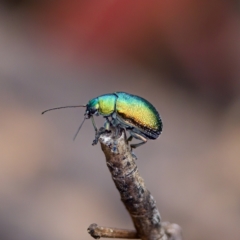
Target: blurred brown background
column 181, row 55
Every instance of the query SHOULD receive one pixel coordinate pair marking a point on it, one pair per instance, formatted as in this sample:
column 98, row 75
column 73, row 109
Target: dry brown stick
column 134, row 194
column 97, row 231
column 173, row 231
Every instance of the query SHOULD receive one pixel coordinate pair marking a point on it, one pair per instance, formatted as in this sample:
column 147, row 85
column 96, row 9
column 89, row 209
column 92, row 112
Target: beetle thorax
column 107, row 104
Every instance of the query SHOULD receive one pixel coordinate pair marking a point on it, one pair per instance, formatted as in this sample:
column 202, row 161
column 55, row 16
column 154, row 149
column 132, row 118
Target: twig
column 96, row 232
column 134, row 194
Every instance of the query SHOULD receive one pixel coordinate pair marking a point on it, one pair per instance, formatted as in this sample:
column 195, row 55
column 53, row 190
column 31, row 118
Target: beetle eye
column 93, row 111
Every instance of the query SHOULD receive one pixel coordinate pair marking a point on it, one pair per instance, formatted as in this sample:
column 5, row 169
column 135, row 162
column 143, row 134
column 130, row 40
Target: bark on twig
column 96, row 232
column 135, row 196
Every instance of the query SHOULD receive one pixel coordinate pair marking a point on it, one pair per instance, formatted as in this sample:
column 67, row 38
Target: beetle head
column 92, row 108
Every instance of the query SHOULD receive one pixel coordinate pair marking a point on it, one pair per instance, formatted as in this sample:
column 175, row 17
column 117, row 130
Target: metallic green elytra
column 123, row 110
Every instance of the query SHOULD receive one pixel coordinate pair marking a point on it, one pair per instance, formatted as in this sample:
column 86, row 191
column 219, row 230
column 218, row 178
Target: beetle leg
column 107, row 124
column 114, row 122
column 95, row 141
column 98, row 134
column 94, row 124
column 130, row 138
column 139, row 137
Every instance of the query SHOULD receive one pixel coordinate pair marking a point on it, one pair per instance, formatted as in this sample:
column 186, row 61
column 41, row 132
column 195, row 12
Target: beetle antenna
column 78, row 129
column 63, row 107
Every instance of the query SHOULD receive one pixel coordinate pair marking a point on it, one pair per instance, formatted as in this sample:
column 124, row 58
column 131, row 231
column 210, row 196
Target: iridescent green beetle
column 133, row 113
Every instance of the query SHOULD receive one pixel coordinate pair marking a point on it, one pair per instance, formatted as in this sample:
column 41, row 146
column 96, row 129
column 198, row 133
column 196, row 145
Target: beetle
column 123, row 110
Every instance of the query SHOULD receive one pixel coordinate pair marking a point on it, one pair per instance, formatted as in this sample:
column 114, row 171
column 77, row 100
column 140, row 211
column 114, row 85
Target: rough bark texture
column 134, row 194
column 137, row 199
